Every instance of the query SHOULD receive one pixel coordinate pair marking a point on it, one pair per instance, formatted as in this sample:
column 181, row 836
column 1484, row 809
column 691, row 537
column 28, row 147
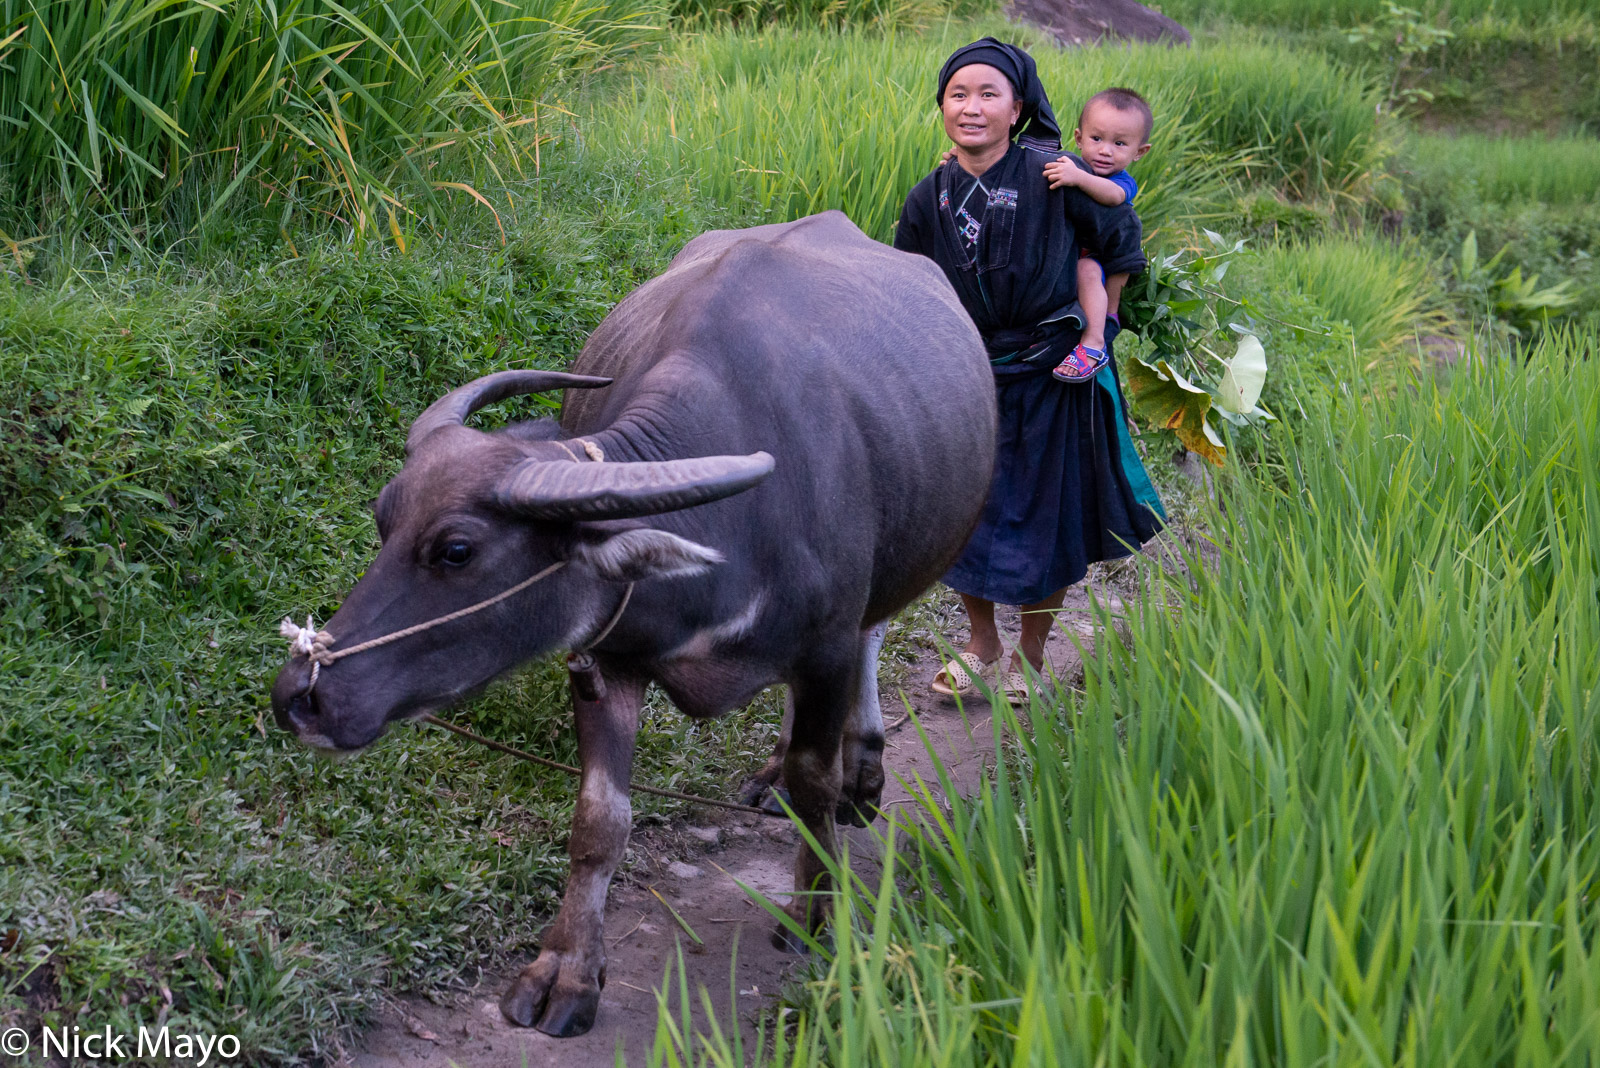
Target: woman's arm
column 907, row 236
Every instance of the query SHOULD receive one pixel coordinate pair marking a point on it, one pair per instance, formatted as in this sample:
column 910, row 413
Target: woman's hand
column 1063, row 173
column 949, row 154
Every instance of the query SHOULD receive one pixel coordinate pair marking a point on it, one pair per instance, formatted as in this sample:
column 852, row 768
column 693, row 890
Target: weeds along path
column 696, row 869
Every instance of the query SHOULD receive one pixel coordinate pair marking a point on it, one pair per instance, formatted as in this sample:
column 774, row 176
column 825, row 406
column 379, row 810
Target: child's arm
column 1063, row 173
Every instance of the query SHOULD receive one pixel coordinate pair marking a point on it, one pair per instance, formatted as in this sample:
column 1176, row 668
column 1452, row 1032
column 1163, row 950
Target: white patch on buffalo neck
column 705, row 641
column 584, row 626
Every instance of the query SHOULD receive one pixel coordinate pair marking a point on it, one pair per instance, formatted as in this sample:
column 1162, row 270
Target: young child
column 1113, row 131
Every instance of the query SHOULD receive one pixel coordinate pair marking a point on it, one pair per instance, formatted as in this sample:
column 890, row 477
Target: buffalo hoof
column 539, row 997
column 759, row 786
column 776, row 801
column 862, row 788
column 856, row 814
column 789, row 942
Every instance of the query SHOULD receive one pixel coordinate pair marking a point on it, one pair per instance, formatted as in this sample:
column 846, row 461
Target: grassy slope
column 800, row 122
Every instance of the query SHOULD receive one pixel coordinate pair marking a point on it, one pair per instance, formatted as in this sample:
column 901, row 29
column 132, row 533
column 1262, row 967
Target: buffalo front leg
column 822, row 696
column 861, row 755
column 560, row 991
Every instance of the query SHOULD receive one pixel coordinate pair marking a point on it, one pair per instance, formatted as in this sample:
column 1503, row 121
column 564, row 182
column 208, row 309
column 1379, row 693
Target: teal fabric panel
column 1138, row 478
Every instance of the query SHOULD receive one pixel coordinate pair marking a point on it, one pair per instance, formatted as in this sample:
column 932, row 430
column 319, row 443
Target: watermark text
column 103, row 1044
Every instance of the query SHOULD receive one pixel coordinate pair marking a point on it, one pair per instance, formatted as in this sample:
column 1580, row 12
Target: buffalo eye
column 455, row 553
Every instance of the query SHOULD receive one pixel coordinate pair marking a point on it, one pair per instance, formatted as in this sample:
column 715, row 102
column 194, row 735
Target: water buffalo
column 793, row 440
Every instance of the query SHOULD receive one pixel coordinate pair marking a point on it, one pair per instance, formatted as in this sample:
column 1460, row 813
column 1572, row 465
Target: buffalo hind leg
column 560, row 991
column 823, row 691
column 861, row 755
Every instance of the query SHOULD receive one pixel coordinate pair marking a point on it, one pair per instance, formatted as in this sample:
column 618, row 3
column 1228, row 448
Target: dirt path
column 697, row 868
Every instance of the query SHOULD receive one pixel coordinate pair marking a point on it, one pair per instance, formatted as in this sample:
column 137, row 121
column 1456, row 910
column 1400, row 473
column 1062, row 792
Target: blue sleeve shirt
column 1129, row 186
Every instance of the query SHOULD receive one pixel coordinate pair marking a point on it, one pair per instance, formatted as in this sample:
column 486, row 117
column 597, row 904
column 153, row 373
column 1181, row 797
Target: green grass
column 874, row 14
column 1332, row 804
column 1554, row 171
column 1313, row 13
column 1536, row 199
column 1374, row 287
column 797, row 122
column 349, row 110
column 1500, row 73
column 1512, row 78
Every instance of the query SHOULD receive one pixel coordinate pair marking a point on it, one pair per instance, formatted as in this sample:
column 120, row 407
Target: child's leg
column 1092, row 297
column 1089, row 356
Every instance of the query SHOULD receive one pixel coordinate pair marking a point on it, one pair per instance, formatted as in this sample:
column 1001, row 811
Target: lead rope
column 545, row 762
column 313, row 644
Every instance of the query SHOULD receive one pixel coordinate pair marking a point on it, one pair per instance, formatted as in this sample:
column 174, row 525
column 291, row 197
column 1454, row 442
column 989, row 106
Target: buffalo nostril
column 297, row 713
column 292, row 703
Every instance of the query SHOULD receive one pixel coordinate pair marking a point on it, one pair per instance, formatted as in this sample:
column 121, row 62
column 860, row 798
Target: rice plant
column 1380, row 289
column 1333, row 803
column 1549, row 170
column 1306, row 13
column 801, row 121
column 113, row 105
column 878, row 14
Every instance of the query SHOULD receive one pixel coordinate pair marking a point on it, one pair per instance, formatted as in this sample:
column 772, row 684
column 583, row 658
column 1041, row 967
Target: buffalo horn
column 561, row 491
column 453, row 408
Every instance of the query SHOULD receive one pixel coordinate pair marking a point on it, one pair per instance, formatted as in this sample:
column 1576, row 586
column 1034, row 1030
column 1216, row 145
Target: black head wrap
column 1036, row 125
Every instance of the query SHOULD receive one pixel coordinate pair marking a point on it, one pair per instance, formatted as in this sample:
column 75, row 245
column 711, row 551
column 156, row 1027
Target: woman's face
column 979, row 107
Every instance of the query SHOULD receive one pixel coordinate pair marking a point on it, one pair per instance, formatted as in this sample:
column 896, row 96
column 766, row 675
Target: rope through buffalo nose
column 313, row 644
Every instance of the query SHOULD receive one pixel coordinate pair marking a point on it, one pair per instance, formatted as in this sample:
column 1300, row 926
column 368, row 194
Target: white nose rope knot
column 309, row 642
column 305, row 641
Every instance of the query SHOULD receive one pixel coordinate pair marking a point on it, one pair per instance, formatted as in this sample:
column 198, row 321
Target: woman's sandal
column 960, row 674
column 1016, row 686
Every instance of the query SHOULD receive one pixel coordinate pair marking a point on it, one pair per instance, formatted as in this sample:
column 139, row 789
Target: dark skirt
column 1068, row 489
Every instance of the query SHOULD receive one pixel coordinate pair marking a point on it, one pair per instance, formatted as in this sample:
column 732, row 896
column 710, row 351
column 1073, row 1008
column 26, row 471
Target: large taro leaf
column 1165, row 399
column 1246, row 374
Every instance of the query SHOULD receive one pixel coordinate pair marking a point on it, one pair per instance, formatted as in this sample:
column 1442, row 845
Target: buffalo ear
column 645, row 553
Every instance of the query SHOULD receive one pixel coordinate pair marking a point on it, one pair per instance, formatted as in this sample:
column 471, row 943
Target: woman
column 1068, row 487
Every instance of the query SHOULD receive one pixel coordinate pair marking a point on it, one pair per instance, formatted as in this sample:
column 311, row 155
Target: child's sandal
column 1081, row 364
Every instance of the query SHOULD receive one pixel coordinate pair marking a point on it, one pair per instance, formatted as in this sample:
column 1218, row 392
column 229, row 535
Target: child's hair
column 1123, row 100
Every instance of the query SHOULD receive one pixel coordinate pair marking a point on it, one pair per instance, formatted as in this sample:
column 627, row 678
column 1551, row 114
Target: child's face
column 1110, row 138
